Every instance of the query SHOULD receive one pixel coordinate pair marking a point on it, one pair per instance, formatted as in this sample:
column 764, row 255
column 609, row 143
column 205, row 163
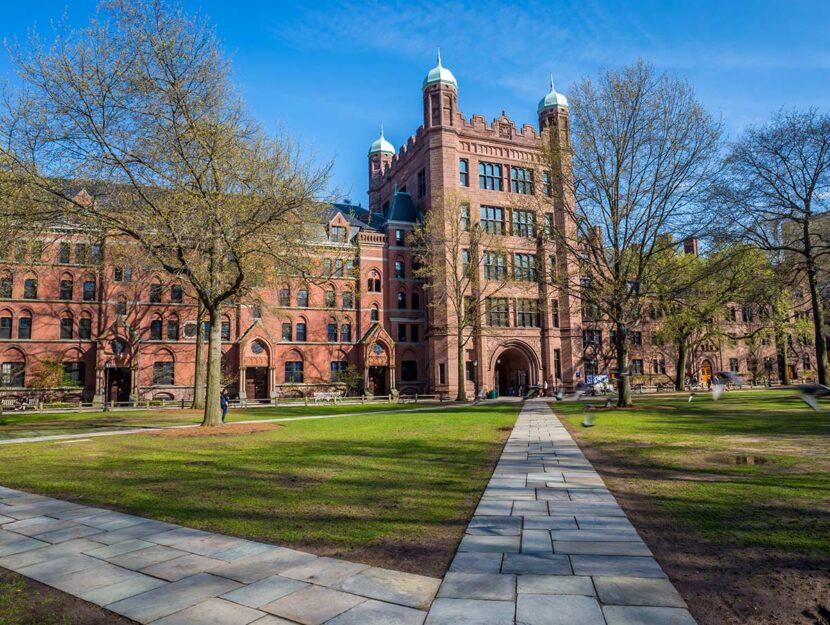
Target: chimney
column 690, row 246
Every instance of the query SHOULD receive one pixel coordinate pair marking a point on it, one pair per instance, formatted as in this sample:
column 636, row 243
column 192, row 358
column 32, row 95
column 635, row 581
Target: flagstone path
column 548, row 545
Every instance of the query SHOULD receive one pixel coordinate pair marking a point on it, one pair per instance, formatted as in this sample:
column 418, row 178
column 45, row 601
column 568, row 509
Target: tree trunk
column 624, row 390
column 680, row 371
column 818, row 325
column 213, row 414
column 462, row 382
column 781, row 351
column 199, row 371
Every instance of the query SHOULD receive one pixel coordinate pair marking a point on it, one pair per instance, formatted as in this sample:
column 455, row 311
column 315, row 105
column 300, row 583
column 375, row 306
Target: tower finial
column 439, row 57
column 551, row 82
column 381, row 129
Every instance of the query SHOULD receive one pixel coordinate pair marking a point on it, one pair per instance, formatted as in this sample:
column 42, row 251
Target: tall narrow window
column 302, row 298
column 401, row 300
column 226, row 330
column 81, row 253
column 64, row 252
column 416, row 301
column 549, row 228
column 285, row 297
column 85, row 328
column 336, row 370
column 442, row 373
column 331, row 333
column 155, row 293
column 287, row 331
column 330, row 298
column 464, row 172
column 399, row 269
column 96, row 253
column 375, row 313
column 300, row 333
column 546, row 186
column 346, row 333
column 465, row 217
column 348, row 300
column 172, row 329
column 554, row 313
column 176, row 294
column 30, row 288
column 89, row 290
column 401, row 333
column 422, row 183
column 6, row 287
column 399, row 236
column 24, row 328
column 66, row 327
column 155, row 330
column 5, row 327
column 66, row 289
column 414, row 333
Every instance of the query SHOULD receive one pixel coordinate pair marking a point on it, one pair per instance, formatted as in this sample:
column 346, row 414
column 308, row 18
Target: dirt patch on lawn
column 26, row 602
column 233, row 429
column 723, row 585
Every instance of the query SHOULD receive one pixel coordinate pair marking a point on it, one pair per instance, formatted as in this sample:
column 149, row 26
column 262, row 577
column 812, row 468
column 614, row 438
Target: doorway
column 256, row 382
column 119, row 384
column 377, row 380
column 705, row 372
column 512, row 373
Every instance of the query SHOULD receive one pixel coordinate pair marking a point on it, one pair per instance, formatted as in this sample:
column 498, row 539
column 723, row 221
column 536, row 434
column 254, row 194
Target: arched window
column 400, row 269
column 6, row 324
column 348, row 299
column 300, row 331
column 375, row 313
column 6, row 283
column 66, row 287
column 302, row 298
column 401, row 299
column 155, row 293
column 30, row 288
column 85, row 326
column 373, row 282
column 346, row 333
column 176, row 294
column 294, row 370
column 89, row 289
column 24, row 325
column 330, row 298
column 164, row 372
column 416, row 300
column 173, row 328
column 156, row 328
column 331, row 330
column 118, row 347
column 74, row 370
column 287, row 331
column 121, row 305
column 67, row 326
column 12, row 369
column 285, row 297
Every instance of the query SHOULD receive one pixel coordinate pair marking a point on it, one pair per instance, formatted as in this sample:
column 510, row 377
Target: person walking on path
column 223, row 403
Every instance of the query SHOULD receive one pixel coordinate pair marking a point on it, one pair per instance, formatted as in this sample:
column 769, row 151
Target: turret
column 440, row 96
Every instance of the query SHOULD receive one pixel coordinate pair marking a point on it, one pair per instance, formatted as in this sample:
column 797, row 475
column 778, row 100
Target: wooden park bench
column 324, row 397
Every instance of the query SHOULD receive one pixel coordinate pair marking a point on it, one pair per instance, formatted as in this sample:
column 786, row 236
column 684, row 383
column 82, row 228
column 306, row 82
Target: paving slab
column 407, row 589
column 470, row 612
column 144, row 558
column 46, row 552
column 325, row 571
column 584, row 547
column 638, row 591
column 172, row 598
column 136, row 585
column 44, row 571
column 478, row 586
column 558, row 610
column 313, row 605
column 379, row 613
column 265, row 564
column 555, row 585
column 469, row 562
column 184, row 566
column 264, row 591
column 213, row 612
column 629, row 615
column 616, row 565
column 536, row 564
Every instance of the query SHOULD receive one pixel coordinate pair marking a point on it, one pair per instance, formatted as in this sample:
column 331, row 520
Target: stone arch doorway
column 705, row 372
column 514, row 371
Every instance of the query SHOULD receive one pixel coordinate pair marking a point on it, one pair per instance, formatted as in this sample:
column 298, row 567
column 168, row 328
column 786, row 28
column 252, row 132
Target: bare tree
column 644, row 152
column 450, row 249
column 140, row 102
column 778, row 193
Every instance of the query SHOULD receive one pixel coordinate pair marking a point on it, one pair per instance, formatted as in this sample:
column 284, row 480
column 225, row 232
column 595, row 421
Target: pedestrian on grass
column 223, row 403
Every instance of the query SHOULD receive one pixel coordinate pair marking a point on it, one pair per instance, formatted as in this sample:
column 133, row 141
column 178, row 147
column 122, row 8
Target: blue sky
column 330, row 72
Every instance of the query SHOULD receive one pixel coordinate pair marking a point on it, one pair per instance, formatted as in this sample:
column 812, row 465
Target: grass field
column 395, row 490
column 23, row 424
column 734, row 493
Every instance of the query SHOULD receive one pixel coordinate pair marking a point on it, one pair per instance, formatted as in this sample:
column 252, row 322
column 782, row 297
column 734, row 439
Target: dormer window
column 337, row 234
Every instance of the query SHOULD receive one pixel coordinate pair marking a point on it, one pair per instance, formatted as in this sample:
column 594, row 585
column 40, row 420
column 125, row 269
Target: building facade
column 368, row 322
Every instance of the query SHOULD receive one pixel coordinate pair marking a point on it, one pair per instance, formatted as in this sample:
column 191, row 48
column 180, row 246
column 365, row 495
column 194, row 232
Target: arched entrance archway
column 705, row 372
column 514, row 371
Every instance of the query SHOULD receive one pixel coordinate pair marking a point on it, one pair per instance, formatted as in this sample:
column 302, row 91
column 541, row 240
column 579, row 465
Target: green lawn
column 688, row 458
column 27, row 424
column 394, row 489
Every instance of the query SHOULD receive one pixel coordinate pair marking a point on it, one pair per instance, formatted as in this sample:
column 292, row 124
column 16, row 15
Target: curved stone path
column 548, row 545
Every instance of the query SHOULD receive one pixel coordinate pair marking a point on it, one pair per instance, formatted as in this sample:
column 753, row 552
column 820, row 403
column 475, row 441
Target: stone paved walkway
column 164, row 574
column 549, row 545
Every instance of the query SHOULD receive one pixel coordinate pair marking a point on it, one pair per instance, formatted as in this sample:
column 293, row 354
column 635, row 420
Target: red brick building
column 125, row 335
